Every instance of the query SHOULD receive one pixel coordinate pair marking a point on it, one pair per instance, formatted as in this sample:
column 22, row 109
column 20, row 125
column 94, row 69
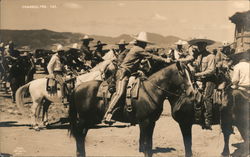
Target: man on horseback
column 98, row 53
column 56, row 68
column 130, row 65
column 204, row 68
column 85, row 47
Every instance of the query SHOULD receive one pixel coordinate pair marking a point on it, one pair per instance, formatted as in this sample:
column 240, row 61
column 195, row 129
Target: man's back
column 241, row 74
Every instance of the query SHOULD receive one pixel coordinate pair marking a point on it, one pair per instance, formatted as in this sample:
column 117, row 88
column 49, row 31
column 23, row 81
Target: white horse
column 41, row 97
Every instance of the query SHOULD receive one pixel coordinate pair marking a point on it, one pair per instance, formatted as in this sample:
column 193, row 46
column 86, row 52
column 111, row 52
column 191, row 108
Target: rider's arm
column 210, row 67
column 155, row 57
column 51, row 65
column 236, row 75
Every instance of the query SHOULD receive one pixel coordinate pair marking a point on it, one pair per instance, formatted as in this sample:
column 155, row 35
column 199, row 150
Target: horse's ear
column 180, row 68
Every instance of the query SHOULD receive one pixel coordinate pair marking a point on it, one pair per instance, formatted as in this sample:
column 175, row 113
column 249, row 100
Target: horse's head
column 185, row 79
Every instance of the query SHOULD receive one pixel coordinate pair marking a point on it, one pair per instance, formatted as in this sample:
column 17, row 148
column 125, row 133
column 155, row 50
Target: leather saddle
column 51, row 86
column 132, row 91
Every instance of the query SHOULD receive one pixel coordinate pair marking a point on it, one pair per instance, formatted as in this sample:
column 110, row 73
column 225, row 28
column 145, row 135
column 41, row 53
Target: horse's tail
column 20, row 96
column 72, row 116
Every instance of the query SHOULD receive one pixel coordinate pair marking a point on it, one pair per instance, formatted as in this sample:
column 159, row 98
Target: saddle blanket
column 131, row 92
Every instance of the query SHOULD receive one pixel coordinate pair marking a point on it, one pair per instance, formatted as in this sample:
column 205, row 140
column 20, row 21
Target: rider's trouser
column 59, row 78
column 208, row 101
column 120, row 88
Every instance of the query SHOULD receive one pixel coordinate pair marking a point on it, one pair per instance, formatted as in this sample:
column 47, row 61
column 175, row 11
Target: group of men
column 204, row 65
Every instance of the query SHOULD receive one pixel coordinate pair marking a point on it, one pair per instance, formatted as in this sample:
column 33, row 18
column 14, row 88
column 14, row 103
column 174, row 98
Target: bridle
column 172, row 93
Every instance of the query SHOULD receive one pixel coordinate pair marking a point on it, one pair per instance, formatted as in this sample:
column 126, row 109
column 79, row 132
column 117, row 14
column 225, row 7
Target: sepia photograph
column 125, row 78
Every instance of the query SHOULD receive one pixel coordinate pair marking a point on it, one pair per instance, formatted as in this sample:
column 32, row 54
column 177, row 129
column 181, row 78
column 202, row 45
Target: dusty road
column 17, row 139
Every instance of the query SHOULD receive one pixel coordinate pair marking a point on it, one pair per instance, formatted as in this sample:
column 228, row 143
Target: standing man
column 179, row 52
column 204, row 66
column 241, row 73
column 223, row 68
column 130, row 65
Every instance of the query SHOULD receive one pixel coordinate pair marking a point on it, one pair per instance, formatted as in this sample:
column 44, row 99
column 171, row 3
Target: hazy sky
column 185, row 19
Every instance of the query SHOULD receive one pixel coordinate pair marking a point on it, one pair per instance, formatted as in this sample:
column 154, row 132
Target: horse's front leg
column 226, row 151
column 80, row 142
column 146, row 135
column 186, row 130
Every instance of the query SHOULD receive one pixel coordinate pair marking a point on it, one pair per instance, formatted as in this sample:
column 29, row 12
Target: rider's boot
column 207, row 124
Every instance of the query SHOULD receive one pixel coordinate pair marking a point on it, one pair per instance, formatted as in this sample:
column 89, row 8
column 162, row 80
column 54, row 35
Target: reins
column 166, row 91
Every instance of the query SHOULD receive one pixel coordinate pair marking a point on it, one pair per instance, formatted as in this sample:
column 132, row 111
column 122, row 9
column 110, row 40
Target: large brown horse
column 86, row 110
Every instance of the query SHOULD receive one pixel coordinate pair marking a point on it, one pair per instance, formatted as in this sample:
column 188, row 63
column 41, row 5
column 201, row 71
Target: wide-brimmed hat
column 142, row 36
column 180, row 42
column 99, row 43
column 200, row 40
column 225, row 44
column 86, row 37
column 122, row 42
column 74, row 46
column 59, row 47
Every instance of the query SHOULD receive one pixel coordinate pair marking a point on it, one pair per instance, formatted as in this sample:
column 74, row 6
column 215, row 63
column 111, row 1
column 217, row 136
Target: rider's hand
column 168, row 60
column 51, row 76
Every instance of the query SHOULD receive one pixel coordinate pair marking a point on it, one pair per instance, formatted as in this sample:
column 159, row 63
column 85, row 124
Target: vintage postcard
column 124, row 78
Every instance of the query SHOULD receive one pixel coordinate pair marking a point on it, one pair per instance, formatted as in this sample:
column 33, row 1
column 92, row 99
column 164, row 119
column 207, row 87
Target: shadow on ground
column 163, row 150
column 12, row 124
column 5, row 155
column 241, row 151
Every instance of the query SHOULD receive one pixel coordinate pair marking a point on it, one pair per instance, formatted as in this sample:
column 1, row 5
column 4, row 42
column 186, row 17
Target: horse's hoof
column 37, row 128
column 225, row 154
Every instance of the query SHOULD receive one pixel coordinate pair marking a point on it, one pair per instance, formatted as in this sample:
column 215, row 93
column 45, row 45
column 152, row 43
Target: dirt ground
column 18, row 140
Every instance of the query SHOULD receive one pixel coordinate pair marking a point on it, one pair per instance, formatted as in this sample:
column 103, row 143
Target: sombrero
column 99, row 43
column 142, row 36
column 86, row 37
column 225, row 44
column 122, row 42
column 200, row 40
column 180, row 42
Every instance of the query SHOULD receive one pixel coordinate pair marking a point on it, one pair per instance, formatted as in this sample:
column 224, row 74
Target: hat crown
column 142, row 36
column 59, row 47
column 122, row 42
column 181, row 42
column 75, row 46
column 225, row 43
column 86, row 37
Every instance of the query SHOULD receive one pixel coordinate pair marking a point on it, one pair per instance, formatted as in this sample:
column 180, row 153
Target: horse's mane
column 158, row 74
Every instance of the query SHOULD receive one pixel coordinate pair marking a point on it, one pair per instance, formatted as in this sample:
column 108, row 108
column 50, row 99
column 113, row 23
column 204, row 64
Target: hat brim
column 100, row 45
column 122, row 43
column 90, row 39
column 195, row 41
column 184, row 43
column 145, row 41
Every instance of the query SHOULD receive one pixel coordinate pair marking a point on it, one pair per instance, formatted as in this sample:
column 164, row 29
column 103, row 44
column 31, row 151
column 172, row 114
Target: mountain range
column 45, row 38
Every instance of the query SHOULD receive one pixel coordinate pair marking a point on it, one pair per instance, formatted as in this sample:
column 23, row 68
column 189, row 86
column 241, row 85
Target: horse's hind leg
column 146, row 133
column 80, row 136
column 36, row 108
column 46, row 104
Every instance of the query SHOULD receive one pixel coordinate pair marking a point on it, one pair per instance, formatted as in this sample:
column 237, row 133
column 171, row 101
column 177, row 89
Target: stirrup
column 129, row 108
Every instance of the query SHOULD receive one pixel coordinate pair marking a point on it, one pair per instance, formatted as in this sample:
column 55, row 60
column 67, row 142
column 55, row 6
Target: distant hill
column 45, row 38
